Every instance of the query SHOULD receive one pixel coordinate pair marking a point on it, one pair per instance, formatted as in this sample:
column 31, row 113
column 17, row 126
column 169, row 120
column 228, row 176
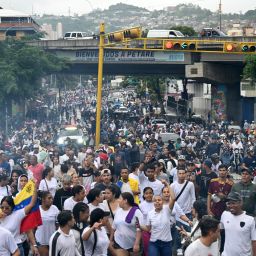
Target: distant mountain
column 121, row 16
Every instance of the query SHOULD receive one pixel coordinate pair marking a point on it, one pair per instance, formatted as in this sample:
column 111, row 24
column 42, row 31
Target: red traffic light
column 168, row 45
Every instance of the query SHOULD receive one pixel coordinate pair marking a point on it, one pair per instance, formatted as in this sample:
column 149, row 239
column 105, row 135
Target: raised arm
column 32, row 203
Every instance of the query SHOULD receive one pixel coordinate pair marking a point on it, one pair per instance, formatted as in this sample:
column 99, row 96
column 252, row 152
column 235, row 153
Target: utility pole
column 99, row 88
column 220, row 12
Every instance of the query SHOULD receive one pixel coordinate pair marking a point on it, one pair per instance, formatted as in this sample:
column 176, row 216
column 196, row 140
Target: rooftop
column 12, row 13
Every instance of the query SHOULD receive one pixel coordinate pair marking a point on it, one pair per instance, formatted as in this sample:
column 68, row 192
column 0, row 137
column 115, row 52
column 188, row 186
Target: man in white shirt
column 187, row 197
column 150, row 181
column 7, row 243
column 240, row 231
column 206, row 244
column 63, row 242
column 184, row 198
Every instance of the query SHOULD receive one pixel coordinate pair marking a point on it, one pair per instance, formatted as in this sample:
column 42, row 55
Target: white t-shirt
column 66, row 244
column 240, row 231
column 49, row 185
column 125, row 232
column 70, row 203
column 160, row 224
column 197, row 248
column 44, row 232
column 7, row 243
column 174, row 174
column 102, row 244
column 145, row 208
column 5, row 191
column 187, row 197
column 156, row 185
column 12, row 223
column 100, row 205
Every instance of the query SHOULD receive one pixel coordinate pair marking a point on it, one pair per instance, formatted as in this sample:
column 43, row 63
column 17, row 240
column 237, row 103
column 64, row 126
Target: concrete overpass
column 83, row 55
column 222, row 70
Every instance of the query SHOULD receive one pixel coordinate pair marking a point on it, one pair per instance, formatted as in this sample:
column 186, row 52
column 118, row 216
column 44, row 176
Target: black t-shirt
column 60, row 197
column 85, row 172
column 203, row 181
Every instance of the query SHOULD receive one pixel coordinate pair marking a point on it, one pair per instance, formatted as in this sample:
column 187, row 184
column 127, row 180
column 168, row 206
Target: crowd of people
column 132, row 195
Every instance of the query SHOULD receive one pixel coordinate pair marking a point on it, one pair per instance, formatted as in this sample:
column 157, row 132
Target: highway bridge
column 217, row 61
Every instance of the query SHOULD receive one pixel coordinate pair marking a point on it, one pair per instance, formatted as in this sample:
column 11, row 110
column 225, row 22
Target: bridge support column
column 226, row 102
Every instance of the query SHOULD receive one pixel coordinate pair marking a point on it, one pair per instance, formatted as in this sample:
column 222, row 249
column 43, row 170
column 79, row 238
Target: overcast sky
column 61, row 7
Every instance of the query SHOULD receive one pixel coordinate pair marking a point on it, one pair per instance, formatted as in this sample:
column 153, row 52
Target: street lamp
column 220, row 12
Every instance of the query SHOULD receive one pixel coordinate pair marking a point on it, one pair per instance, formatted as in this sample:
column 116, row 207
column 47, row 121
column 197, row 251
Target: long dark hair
column 46, row 172
column 200, row 208
column 80, row 226
column 129, row 197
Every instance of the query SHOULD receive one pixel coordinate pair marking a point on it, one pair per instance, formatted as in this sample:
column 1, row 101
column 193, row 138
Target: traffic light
column 248, row 47
column 125, row 34
column 180, row 45
column 237, row 47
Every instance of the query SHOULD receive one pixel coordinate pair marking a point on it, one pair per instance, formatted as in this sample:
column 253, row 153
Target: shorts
column 117, row 246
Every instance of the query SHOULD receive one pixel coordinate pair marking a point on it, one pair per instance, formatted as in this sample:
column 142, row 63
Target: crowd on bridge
column 135, row 194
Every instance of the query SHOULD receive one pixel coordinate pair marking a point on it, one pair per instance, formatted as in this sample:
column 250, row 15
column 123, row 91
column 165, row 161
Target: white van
column 155, row 33
column 77, row 35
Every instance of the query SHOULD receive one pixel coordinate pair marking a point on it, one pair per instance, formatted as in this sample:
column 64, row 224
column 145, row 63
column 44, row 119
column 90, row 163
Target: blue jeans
column 160, row 248
column 20, row 246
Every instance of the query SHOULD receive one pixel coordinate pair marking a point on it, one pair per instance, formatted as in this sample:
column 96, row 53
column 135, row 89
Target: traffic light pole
column 99, row 88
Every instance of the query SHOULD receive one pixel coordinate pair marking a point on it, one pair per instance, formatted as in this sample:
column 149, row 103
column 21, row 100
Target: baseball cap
column 105, row 171
column 234, row 196
column 247, row 170
column 208, row 163
column 103, row 156
column 181, row 157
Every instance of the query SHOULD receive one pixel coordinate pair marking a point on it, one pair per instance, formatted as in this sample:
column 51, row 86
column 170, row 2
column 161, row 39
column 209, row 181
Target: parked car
column 166, row 136
column 77, row 35
column 212, row 32
column 160, row 123
column 164, row 33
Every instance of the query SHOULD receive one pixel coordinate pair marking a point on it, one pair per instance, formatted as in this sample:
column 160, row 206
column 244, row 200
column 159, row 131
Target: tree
column 249, row 71
column 22, row 68
column 185, row 30
column 154, row 84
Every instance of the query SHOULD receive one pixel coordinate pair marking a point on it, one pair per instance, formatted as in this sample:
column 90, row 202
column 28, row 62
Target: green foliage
column 22, row 68
column 154, row 84
column 249, row 71
column 185, row 30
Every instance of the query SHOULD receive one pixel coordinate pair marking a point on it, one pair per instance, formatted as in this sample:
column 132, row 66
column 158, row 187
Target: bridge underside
column 128, row 69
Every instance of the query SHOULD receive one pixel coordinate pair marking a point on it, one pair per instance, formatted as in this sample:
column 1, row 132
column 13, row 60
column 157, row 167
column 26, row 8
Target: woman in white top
column 11, row 220
column 127, row 235
column 111, row 201
column 95, row 238
column 158, row 223
column 57, row 170
column 49, row 214
column 48, row 182
column 81, row 215
column 146, row 206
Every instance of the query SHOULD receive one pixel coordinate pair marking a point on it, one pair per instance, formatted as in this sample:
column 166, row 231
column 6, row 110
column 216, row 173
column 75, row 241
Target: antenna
column 69, row 11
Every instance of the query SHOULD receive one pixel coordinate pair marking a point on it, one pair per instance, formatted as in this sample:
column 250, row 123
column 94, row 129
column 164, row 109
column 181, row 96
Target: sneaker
column 179, row 252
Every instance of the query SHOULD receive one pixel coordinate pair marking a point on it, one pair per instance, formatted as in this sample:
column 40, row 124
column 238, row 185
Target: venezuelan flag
column 33, row 219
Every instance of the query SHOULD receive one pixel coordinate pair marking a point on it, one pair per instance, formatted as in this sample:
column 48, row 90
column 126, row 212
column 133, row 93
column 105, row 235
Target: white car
column 75, row 135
